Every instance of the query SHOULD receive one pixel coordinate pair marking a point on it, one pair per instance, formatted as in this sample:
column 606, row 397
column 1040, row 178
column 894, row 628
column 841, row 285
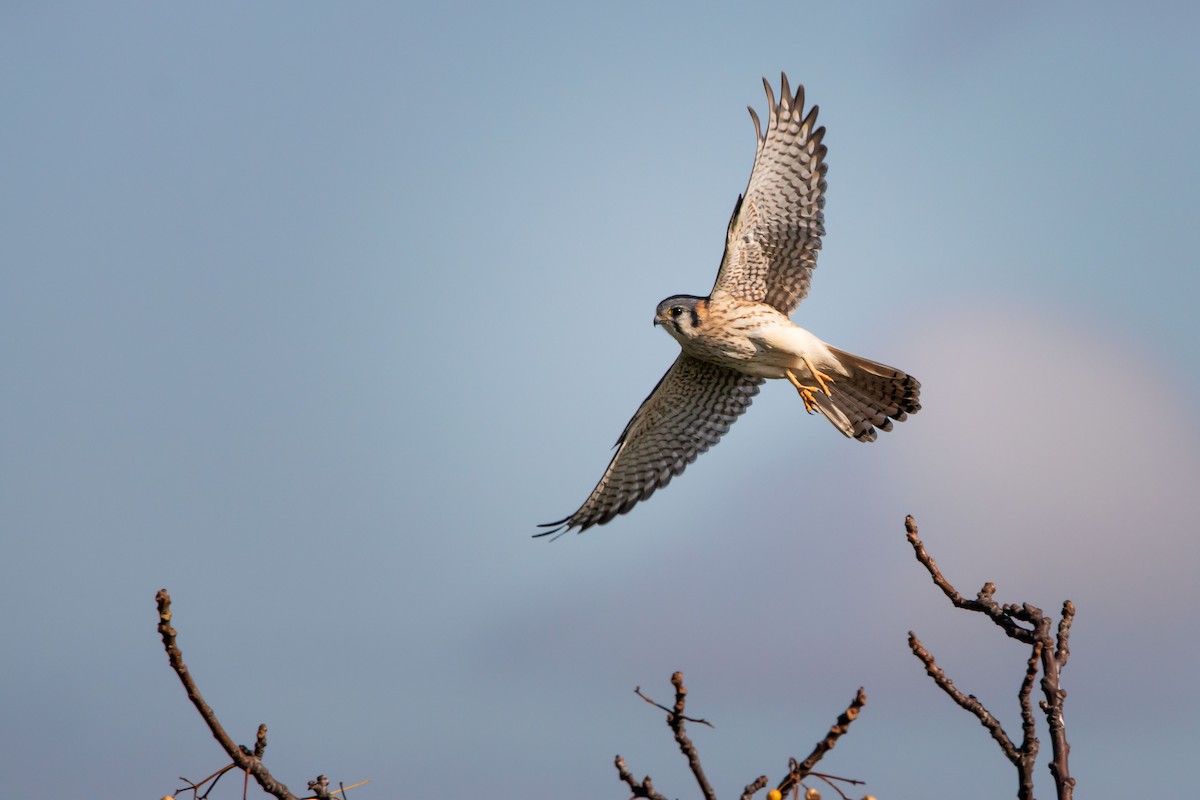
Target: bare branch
column 983, row 602
column 243, row 759
column 1052, row 706
column 1029, row 744
column 676, row 720
column 968, row 702
column 320, row 788
column 1063, row 651
column 1048, row 653
column 799, row 770
column 643, row 789
column 638, row 691
column 751, row 789
column 260, row 741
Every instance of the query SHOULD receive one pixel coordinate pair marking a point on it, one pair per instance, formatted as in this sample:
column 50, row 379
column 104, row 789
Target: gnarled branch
column 1048, row 654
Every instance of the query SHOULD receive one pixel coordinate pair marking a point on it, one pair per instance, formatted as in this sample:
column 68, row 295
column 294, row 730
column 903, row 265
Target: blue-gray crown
column 685, row 301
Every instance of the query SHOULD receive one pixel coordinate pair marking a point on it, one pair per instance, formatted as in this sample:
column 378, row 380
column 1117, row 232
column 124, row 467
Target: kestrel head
column 681, row 315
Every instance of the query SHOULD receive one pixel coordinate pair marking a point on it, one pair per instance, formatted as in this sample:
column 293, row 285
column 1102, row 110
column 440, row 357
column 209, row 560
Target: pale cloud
column 1060, row 444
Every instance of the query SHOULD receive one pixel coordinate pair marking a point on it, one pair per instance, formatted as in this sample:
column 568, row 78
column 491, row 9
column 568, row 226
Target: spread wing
column 777, row 225
column 689, row 410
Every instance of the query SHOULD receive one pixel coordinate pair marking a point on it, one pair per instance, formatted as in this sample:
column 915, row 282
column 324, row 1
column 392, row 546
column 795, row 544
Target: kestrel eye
column 676, row 311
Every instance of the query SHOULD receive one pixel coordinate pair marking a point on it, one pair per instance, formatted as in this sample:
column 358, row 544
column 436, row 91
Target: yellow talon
column 806, row 393
column 820, row 377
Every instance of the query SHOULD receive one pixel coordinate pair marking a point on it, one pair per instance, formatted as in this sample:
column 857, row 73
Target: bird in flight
column 740, row 334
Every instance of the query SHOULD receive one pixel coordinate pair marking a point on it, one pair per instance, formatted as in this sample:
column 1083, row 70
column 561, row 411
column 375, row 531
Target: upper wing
column 777, row 225
column 689, row 410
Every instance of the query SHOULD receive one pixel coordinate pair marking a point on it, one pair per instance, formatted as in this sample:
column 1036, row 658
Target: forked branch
column 243, row 758
column 1048, row 653
column 797, row 770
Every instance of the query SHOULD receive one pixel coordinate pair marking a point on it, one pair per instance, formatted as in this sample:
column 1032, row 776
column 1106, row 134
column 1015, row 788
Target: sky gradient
column 310, row 312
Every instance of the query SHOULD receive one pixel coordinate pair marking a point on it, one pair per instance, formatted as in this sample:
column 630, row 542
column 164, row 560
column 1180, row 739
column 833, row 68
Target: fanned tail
column 869, row 398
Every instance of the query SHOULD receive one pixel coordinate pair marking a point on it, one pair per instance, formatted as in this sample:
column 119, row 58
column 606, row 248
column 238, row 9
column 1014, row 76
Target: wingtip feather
column 771, row 105
column 557, row 529
column 757, row 124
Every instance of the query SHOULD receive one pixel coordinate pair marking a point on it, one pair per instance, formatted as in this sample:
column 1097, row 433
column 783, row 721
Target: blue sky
column 310, row 312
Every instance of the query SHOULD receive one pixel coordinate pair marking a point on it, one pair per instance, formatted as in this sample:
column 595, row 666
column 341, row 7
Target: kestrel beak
column 658, row 320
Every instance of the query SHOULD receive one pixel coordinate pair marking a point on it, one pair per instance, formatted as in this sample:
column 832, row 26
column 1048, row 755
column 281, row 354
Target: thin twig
column 341, row 790
column 829, row 779
column 195, row 787
column 638, row 691
column 797, row 771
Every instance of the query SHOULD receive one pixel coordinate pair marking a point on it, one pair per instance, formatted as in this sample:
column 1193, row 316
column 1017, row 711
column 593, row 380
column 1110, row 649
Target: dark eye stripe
column 695, row 319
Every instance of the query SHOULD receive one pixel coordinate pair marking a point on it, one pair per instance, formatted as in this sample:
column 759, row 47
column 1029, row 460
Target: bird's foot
column 821, row 378
column 806, row 392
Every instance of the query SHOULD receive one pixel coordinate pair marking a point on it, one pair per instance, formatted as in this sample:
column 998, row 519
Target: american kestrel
column 740, row 334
